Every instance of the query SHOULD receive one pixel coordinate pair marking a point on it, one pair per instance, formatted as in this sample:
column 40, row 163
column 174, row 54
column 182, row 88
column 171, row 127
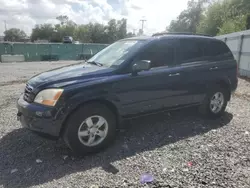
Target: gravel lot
column 180, row 149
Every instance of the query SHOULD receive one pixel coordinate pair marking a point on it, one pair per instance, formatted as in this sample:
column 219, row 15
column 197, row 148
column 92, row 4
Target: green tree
column 88, row 33
column 189, row 19
column 54, row 33
column 225, row 16
column 66, row 27
column 43, row 32
column 233, row 25
column 212, row 19
column 111, row 30
column 248, row 21
column 14, row 35
column 82, row 34
column 122, row 28
column 97, row 33
column 66, row 30
column 63, row 19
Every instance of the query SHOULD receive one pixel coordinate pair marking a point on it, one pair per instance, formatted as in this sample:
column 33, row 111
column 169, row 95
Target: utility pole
column 5, row 25
column 142, row 24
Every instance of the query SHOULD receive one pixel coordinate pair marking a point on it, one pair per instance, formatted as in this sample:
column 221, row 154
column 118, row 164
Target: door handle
column 213, row 68
column 176, row 74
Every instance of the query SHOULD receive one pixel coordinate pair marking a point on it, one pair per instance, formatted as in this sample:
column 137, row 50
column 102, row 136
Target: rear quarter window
column 218, row 50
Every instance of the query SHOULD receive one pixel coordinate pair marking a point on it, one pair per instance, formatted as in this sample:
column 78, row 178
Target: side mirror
column 141, row 66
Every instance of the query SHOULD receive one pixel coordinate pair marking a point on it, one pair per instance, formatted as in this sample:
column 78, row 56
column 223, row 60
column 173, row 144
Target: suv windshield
column 116, row 53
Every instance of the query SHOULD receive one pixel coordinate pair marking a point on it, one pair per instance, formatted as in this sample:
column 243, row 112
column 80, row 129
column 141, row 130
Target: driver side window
column 160, row 54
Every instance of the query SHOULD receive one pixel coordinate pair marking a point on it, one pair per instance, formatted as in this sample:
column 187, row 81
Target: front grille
column 28, row 95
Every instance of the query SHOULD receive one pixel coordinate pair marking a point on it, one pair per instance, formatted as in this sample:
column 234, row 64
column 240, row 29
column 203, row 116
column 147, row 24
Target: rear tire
column 90, row 129
column 215, row 102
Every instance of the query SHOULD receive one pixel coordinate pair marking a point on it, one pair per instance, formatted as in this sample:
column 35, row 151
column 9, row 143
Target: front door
column 155, row 89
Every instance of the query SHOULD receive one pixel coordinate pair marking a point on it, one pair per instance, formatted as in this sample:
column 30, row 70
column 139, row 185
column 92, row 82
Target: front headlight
column 48, row 97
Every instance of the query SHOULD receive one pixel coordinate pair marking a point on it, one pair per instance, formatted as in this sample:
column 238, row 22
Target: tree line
column 213, row 17
column 87, row 33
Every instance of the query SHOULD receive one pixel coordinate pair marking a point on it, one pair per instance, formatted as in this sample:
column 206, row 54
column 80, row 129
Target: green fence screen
column 51, row 51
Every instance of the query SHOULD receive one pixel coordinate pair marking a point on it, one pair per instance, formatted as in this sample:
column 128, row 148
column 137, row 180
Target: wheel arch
column 110, row 105
column 225, row 84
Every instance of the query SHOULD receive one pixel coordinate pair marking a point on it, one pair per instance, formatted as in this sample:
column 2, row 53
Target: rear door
column 223, row 66
column 203, row 62
column 194, row 68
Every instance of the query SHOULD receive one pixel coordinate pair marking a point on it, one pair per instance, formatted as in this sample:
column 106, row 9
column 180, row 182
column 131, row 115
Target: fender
column 80, row 98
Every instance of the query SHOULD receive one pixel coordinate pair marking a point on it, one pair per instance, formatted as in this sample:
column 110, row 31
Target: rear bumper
column 38, row 118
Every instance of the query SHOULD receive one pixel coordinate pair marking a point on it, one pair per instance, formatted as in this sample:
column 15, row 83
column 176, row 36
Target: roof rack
column 178, row 33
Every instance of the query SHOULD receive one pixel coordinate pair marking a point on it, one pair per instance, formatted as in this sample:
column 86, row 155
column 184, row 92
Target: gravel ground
column 179, row 149
column 14, row 73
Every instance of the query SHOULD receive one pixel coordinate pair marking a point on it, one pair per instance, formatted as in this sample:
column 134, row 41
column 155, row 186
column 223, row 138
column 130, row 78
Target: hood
column 69, row 74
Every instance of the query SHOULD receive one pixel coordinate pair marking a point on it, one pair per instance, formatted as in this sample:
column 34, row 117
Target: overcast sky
column 24, row 14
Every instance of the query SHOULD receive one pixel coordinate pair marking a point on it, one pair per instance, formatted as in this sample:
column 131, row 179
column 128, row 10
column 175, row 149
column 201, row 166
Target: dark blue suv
column 85, row 103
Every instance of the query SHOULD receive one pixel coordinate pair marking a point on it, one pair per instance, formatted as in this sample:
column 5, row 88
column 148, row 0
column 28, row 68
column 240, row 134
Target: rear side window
column 218, row 50
column 160, row 53
column 190, row 50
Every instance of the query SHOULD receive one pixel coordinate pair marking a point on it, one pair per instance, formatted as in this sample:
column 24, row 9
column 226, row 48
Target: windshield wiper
column 95, row 63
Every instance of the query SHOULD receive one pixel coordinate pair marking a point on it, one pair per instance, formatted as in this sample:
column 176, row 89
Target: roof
column 181, row 35
column 169, row 36
column 139, row 38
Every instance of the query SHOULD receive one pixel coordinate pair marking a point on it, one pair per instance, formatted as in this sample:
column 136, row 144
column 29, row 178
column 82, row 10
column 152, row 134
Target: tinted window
column 218, row 49
column 160, row 54
column 191, row 50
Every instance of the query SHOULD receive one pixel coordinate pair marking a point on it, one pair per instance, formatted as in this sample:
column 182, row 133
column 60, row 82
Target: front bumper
column 39, row 118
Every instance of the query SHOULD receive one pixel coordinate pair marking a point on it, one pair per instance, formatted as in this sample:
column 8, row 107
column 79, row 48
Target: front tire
column 90, row 129
column 215, row 102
